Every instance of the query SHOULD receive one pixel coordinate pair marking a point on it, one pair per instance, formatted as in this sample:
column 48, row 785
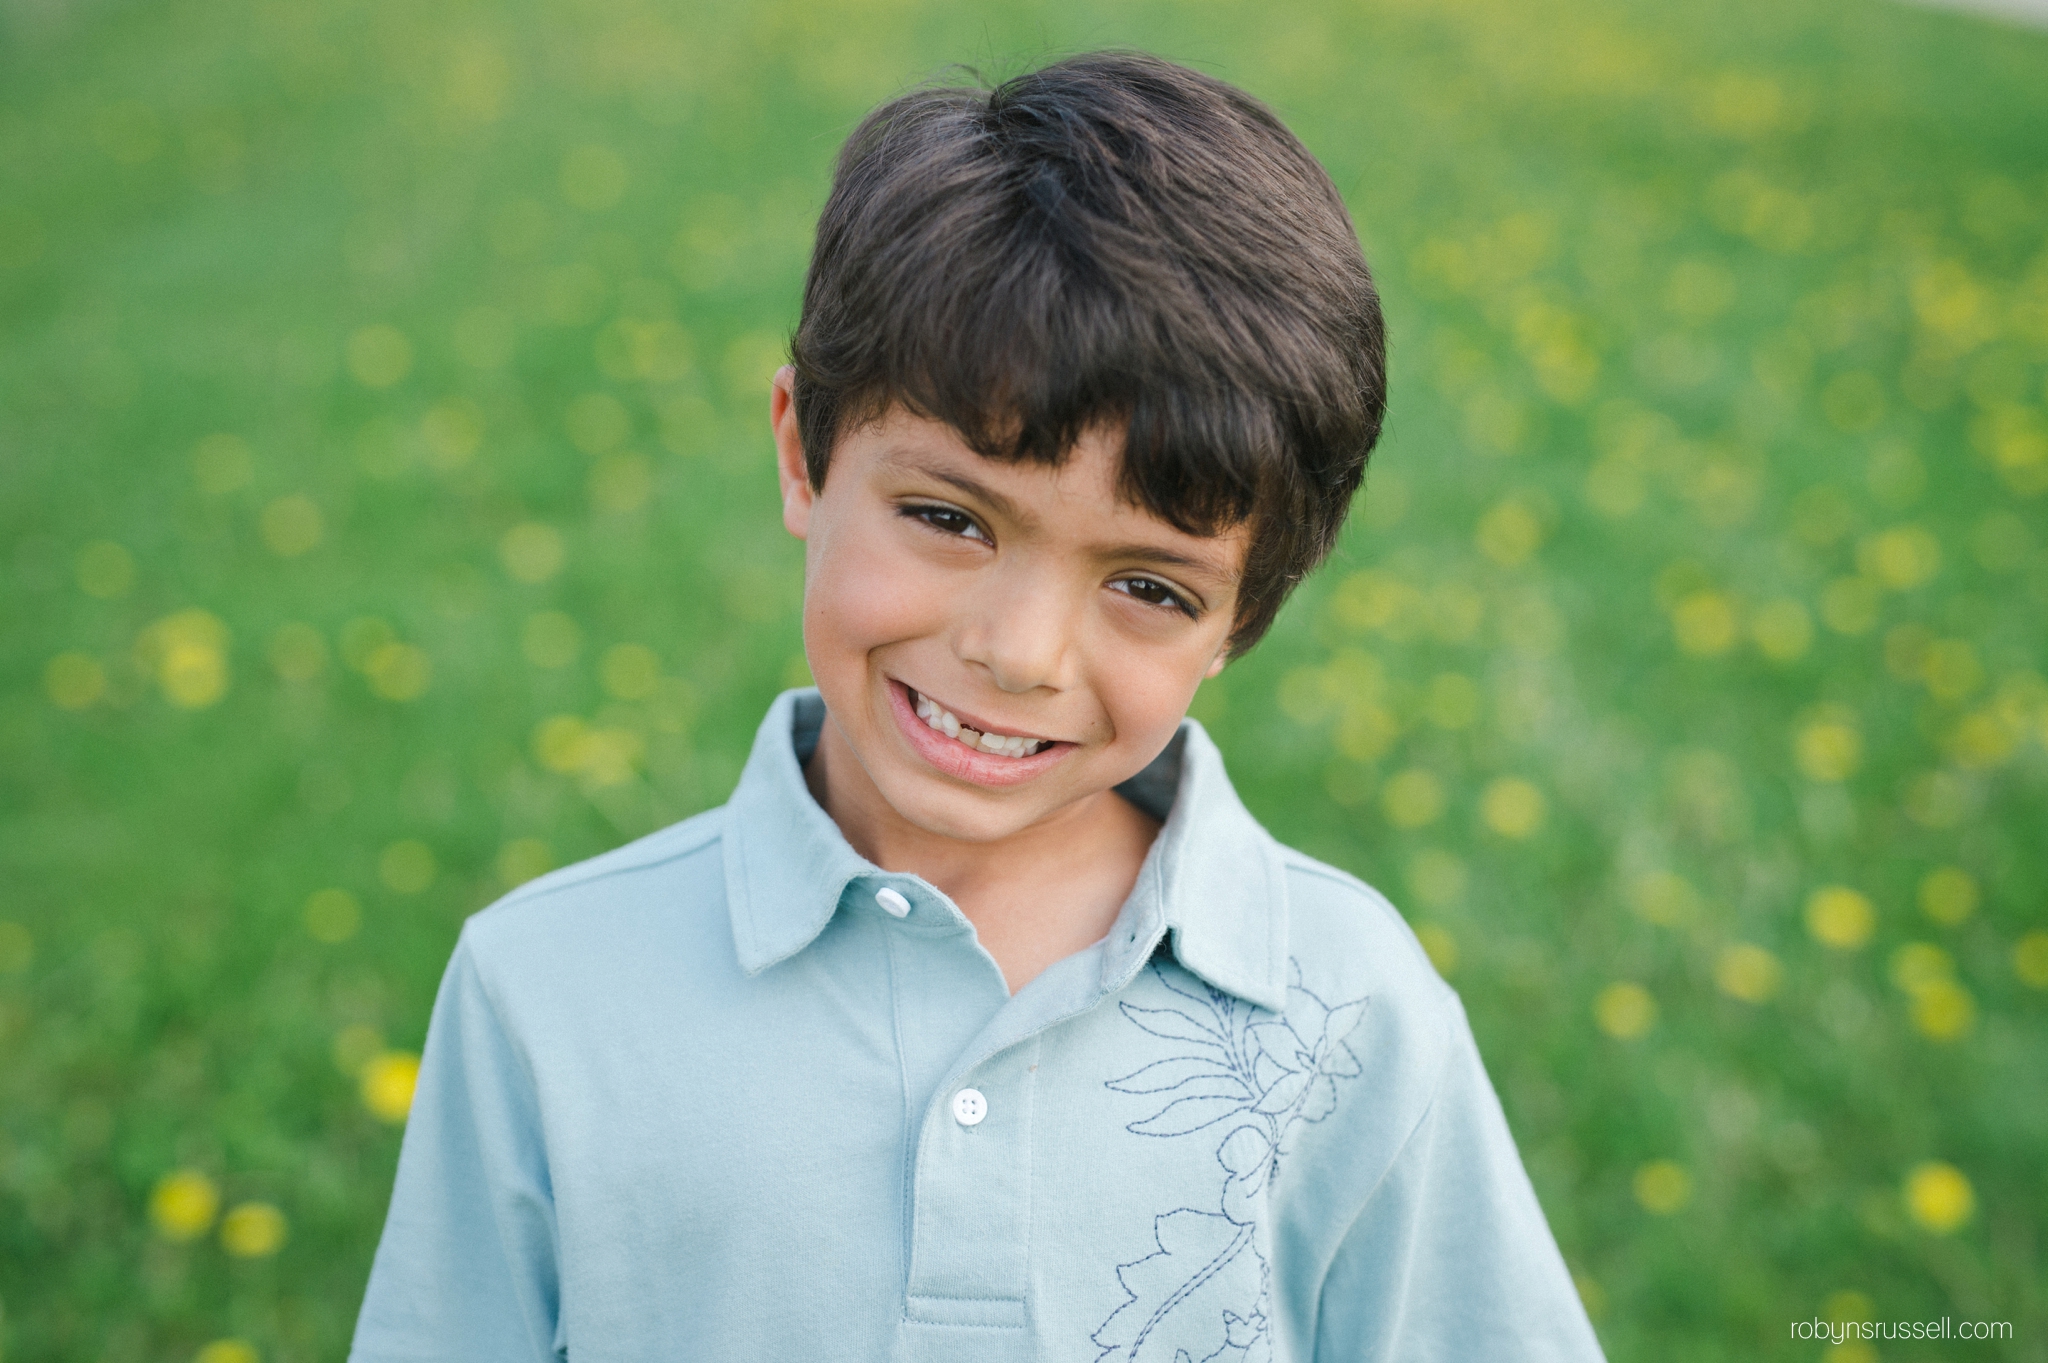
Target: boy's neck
column 1034, row 897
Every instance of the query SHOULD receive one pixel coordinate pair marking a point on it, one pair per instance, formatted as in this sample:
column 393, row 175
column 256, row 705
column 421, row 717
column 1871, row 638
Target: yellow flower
column 1747, row 972
column 551, row 639
column 1849, row 605
column 1840, row 917
column 355, row 1046
column 1900, row 558
column 1664, row 898
column 1948, row 895
column 407, row 866
column 521, row 859
column 2030, row 959
column 74, row 680
column 387, row 1083
column 379, row 356
column 292, row 525
column 1943, row 1010
column 630, row 671
column 1705, row 623
column 1939, row 1197
column 1439, row 945
column 1625, row 1011
column 1663, row 1186
column 228, row 1351
column 399, row 672
column 532, row 552
column 1782, row 629
column 332, row 915
column 188, row 653
column 252, row 1230
column 1512, row 807
column 1412, row 798
column 183, row 1204
column 1828, row 750
column 1509, row 533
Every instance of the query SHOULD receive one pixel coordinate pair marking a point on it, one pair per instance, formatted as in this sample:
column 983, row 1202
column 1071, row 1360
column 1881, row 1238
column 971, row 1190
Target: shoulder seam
column 711, row 833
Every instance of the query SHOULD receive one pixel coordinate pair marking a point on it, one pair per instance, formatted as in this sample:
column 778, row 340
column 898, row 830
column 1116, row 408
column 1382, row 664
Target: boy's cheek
column 858, row 599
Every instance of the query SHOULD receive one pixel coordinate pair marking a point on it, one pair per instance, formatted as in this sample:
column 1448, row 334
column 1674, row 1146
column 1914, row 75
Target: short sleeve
column 466, row 1267
column 1450, row 1259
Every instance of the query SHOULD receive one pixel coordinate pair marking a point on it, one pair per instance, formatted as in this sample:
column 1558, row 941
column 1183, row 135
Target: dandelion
column 521, row 859
column 1782, row 629
column 73, row 681
column 2030, row 959
column 1664, row 898
column 387, row 1082
column 228, row 1351
column 407, row 866
column 551, row 640
column 1439, row 946
column 1512, row 807
column 379, row 356
column 1509, row 533
column 188, row 653
column 1939, row 1197
column 1625, row 1011
column 1840, row 917
column 1943, row 1011
column 252, row 1230
column 332, row 916
column 1828, row 750
column 1663, row 1187
column 532, row 552
column 399, row 672
column 292, row 525
column 1412, row 798
column 183, row 1204
column 1747, row 972
column 1705, row 623
column 1948, row 895
column 630, row 671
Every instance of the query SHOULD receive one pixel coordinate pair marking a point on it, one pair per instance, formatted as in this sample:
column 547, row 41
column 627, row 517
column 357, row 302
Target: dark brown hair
column 1112, row 239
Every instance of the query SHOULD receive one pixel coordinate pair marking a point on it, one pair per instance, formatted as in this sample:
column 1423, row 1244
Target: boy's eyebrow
column 981, row 491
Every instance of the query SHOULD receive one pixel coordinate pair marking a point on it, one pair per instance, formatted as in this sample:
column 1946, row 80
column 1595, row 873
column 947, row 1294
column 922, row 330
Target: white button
column 969, row 1107
column 892, row 903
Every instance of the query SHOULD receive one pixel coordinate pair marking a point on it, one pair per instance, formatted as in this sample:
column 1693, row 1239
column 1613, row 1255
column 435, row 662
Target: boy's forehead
column 1083, row 495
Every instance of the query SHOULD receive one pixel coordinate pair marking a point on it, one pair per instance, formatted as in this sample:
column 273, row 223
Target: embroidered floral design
column 1264, row 1075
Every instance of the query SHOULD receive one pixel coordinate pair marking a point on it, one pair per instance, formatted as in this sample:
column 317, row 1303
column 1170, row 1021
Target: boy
column 984, row 1023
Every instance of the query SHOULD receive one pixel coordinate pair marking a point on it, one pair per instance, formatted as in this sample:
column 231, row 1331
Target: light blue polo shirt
column 733, row 1092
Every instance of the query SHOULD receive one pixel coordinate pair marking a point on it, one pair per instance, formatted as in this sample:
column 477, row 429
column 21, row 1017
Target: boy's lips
column 956, row 759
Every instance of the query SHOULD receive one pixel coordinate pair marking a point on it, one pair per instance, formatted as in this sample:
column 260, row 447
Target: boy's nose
column 1020, row 632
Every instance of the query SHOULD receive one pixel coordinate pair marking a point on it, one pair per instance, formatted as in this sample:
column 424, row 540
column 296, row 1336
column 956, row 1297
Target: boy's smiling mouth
column 967, row 749
column 937, row 716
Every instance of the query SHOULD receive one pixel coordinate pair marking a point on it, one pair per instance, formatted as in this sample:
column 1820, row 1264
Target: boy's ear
column 1219, row 662
column 789, row 453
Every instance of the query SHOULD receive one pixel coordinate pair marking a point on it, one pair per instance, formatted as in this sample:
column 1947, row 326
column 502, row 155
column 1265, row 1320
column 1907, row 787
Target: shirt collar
column 1213, row 879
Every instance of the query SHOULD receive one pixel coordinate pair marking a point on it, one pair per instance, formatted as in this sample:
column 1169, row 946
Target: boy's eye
column 1153, row 592
column 947, row 519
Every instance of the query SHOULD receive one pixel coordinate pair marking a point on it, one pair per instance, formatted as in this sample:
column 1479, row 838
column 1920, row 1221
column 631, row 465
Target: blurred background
column 387, row 516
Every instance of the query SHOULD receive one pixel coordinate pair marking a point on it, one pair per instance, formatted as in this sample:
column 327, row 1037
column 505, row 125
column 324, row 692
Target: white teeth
column 938, row 717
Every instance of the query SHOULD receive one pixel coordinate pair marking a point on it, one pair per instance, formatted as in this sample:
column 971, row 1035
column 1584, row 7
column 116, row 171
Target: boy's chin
column 945, row 810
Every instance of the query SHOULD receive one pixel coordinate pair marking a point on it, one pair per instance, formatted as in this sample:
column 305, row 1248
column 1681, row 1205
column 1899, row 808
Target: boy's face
column 1029, row 603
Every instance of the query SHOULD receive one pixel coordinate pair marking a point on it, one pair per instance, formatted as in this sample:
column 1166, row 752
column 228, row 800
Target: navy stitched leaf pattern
column 1256, row 1076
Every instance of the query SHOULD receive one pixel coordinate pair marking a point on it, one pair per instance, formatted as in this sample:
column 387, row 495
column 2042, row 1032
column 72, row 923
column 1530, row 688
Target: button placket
column 970, row 1249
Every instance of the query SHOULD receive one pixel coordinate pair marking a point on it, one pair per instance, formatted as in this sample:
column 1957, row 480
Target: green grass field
column 386, row 515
